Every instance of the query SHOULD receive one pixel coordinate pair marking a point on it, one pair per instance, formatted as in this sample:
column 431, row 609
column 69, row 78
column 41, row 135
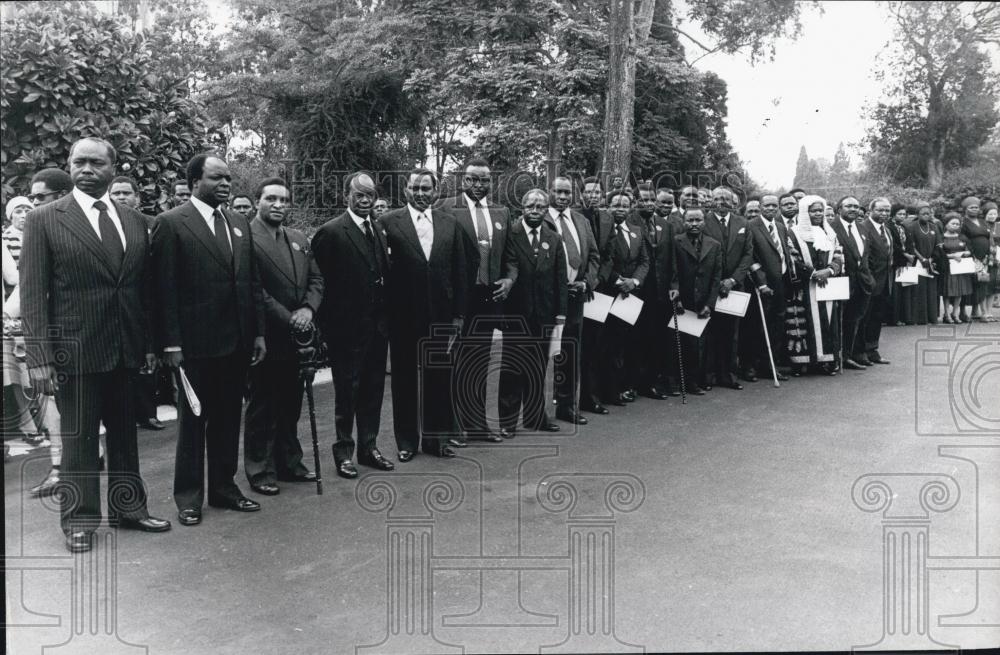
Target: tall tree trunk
column 937, row 130
column 553, row 161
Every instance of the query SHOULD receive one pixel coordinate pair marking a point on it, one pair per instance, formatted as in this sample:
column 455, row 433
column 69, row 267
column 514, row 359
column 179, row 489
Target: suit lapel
column 410, row 232
column 686, row 246
column 268, row 246
column 236, row 235
column 134, row 238
column 78, row 224
column 520, row 237
column 195, row 223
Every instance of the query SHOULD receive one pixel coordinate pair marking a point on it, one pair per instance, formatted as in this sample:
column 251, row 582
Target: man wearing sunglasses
column 49, row 184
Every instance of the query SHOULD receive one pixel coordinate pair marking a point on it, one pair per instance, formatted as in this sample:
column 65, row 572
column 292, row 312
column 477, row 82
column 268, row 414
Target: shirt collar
column 414, row 213
column 874, row 224
column 360, row 222
column 845, row 224
column 87, row 201
column 206, row 210
column 554, row 213
column 724, row 217
column 528, row 228
column 472, row 203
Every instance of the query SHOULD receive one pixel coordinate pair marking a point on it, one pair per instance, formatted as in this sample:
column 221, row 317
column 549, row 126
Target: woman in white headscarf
column 814, row 332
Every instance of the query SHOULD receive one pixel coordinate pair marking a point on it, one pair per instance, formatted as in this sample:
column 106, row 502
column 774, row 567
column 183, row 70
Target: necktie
column 885, row 236
column 425, row 234
column 854, row 238
column 285, row 249
column 533, row 239
column 572, row 250
column 725, row 232
column 777, row 244
column 372, row 246
column 222, row 236
column 109, row 237
column 622, row 239
column 483, row 230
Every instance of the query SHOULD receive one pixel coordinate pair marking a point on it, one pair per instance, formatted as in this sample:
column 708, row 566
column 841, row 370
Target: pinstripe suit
column 213, row 310
column 92, row 323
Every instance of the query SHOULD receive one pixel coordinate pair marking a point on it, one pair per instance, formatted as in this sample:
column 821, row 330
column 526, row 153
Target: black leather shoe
column 507, row 434
column 458, row 443
column 628, row 395
column 492, row 437
column 596, row 409
column 152, row 424
column 266, row 488
column 405, row 455
column 734, row 385
column 377, row 461
column 749, row 376
column 853, row 365
column 238, row 505
column 696, row 391
column 654, row 393
column 148, row 524
column 876, row 358
column 189, row 517
column 47, row 487
column 79, row 542
column 570, row 416
column 446, row 452
column 863, row 360
column 346, row 470
column 782, row 377
column 548, row 426
column 308, row 476
column 706, row 387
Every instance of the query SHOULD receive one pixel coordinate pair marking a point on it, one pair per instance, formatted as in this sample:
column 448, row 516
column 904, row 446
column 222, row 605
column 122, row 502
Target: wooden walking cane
column 680, row 355
column 767, row 337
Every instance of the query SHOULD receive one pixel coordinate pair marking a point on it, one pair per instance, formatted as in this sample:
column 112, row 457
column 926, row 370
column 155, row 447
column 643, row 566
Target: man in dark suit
column 592, row 331
column 878, row 236
column 856, row 249
column 652, row 358
column 730, row 230
column 85, row 273
column 624, row 267
column 772, row 263
column 583, row 259
column 484, row 228
column 667, row 209
column 292, row 290
column 536, row 292
column 353, row 259
column 694, row 282
column 428, row 296
column 211, row 320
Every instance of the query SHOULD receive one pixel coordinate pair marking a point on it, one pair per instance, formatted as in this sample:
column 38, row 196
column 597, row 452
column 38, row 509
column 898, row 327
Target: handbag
column 982, row 273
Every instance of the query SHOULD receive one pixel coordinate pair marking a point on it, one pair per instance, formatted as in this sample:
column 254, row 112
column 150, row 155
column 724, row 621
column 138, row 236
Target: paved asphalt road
column 725, row 524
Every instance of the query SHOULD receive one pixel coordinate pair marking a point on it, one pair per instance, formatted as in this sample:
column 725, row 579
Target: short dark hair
column 196, row 168
column 125, row 179
column 592, row 180
column 180, row 181
column 267, row 181
column 786, row 195
column 692, row 207
column 475, row 161
column 351, row 177
column 666, row 190
column 840, row 203
column 112, row 153
column 241, row 195
column 615, row 194
column 54, row 178
column 560, row 177
column 645, row 186
column 796, row 190
column 950, row 214
column 420, row 172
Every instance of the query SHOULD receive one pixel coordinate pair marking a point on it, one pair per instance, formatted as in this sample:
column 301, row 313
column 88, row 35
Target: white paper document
column 921, row 271
column 735, row 303
column 627, row 308
column 837, row 288
column 689, row 323
column 598, row 308
column 555, row 345
column 962, row 266
column 908, row 275
column 192, row 397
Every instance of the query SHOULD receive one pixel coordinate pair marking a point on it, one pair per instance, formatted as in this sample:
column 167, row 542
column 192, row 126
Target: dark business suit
column 652, row 360
column 538, row 295
column 766, row 269
column 425, row 295
column 695, row 273
column 861, row 282
column 881, row 255
column 353, row 320
column 290, row 280
column 567, row 366
column 592, row 332
column 619, row 260
column 484, row 264
column 736, row 259
column 91, row 321
column 210, row 304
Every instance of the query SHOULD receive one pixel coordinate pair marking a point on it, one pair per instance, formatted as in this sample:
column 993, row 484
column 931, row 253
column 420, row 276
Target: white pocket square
column 742, row 230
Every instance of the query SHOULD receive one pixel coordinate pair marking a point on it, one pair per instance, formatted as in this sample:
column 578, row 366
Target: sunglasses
column 40, row 196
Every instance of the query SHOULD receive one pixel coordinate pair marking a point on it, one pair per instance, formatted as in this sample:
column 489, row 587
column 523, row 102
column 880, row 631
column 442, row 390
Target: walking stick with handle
column 308, row 378
column 767, row 337
column 310, row 351
column 680, row 355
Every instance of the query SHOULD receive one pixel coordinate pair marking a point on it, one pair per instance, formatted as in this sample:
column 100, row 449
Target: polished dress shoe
column 595, row 409
column 863, row 360
column 377, row 461
column 876, row 358
column 458, row 443
column 654, row 393
column 507, row 434
column 346, row 470
column 734, row 385
column 189, row 516
column 47, row 487
column 237, row 504
column 628, row 395
column 148, row 524
column 696, row 391
column 266, row 488
column 749, row 376
column 152, row 424
column 406, row 455
column 853, row 365
column 706, row 387
column 308, row 476
column 547, row 426
column 79, row 542
column 446, row 452
column 570, row 416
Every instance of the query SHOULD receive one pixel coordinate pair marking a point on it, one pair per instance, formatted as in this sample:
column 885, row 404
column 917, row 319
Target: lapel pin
column 632, row 234
column 545, row 245
column 237, row 232
column 659, row 228
column 498, row 226
column 296, row 246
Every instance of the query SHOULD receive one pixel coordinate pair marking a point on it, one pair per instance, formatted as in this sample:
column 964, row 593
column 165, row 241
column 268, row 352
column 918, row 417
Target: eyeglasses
column 476, row 181
column 36, row 197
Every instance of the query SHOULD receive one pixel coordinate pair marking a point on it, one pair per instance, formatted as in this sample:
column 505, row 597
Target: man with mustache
column 293, row 289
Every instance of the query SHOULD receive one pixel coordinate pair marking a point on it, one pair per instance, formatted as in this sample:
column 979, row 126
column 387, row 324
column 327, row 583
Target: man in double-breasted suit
column 624, row 267
column 772, row 262
column 484, row 230
column 85, row 280
column 292, row 288
column 856, row 248
column 583, row 259
column 592, row 331
column 211, row 321
column 535, row 285
column 730, row 230
column 428, row 296
column 877, row 230
column 352, row 256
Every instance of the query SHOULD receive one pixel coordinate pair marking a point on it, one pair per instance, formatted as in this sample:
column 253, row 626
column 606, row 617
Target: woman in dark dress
column 924, row 241
column 977, row 235
column 902, row 297
column 990, row 210
column 956, row 286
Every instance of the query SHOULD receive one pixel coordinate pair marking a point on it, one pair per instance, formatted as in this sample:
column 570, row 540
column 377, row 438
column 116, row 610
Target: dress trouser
column 271, row 447
column 854, row 312
column 721, row 348
column 219, row 384
column 868, row 340
column 421, row 394
column 522, row 380
column 359, row 385
column 85, row 401
column 567, row 363
column 473, row 361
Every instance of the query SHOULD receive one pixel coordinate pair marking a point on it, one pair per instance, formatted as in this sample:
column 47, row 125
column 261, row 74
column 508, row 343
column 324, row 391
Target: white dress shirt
column 880, row 228
column 86, row 203
column 570, row 271
column 423, row 223
column 360, row 222
column 857, row 235
column 208, row 213
column 486, row 212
